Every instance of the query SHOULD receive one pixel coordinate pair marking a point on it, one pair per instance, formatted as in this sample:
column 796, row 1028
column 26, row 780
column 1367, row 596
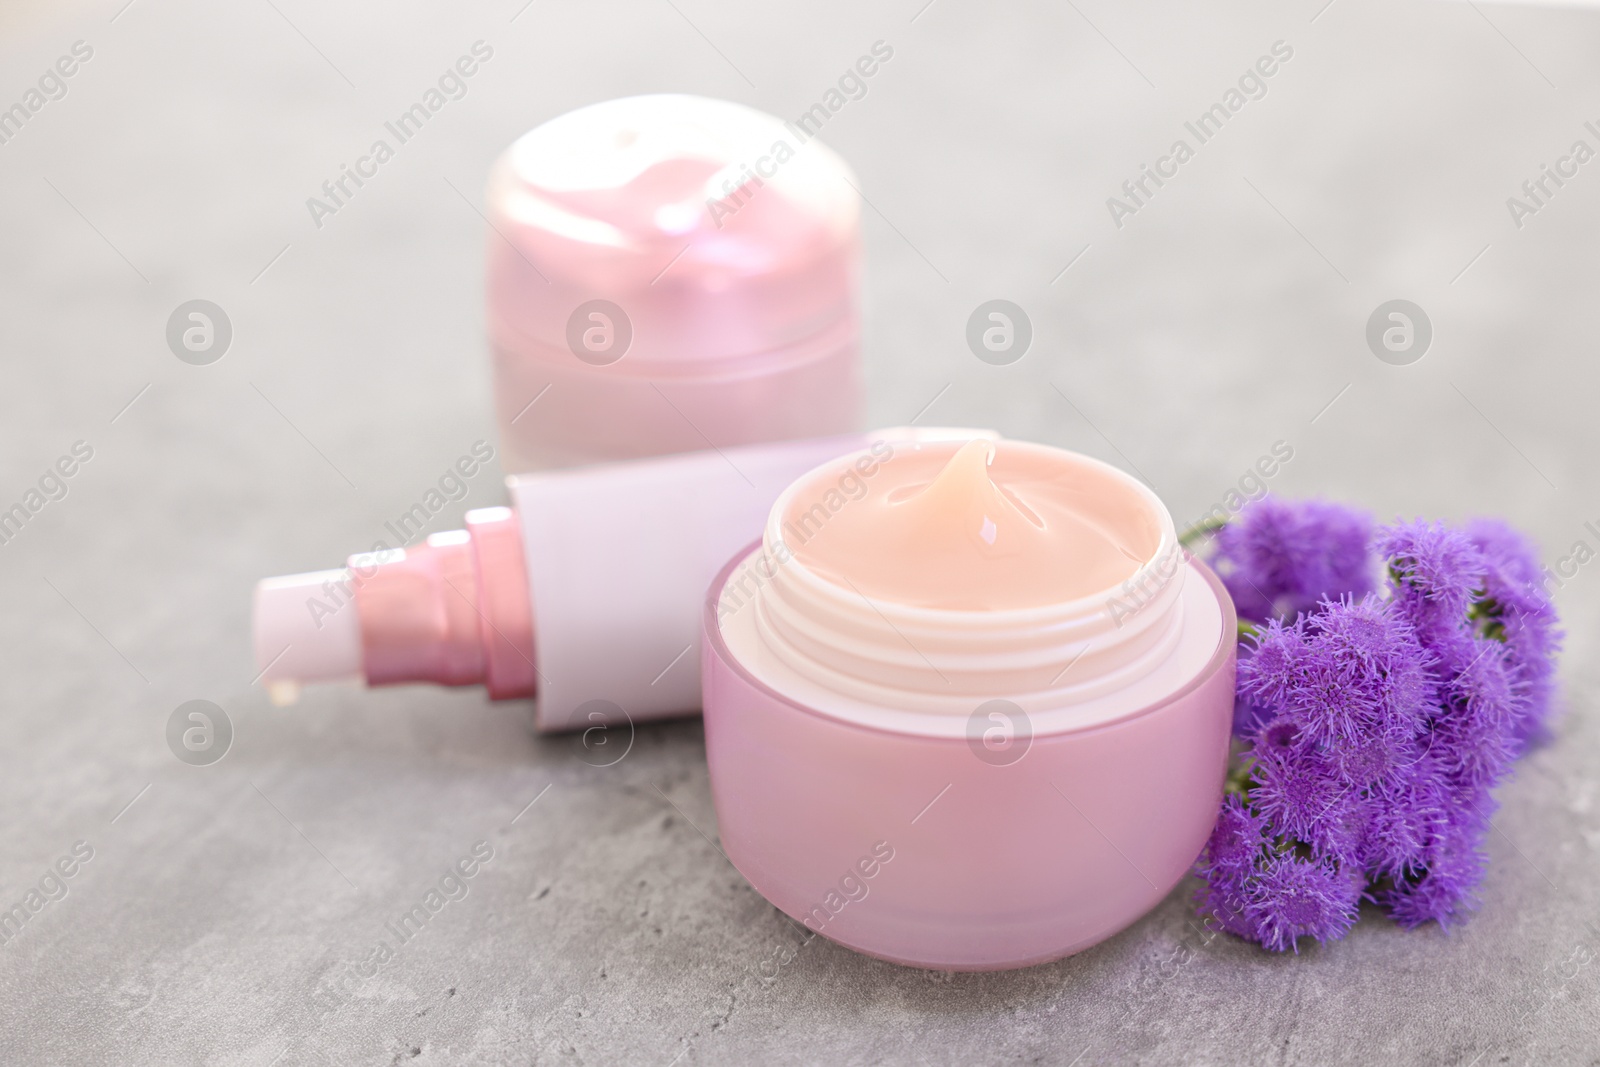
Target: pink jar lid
column 719, row 231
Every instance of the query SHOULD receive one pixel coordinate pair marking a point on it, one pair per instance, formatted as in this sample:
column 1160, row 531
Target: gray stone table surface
column 1225, row 313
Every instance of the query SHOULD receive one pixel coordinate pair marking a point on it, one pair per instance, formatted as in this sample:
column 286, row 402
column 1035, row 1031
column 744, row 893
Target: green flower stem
column 1238, row 780
column 1200, row 530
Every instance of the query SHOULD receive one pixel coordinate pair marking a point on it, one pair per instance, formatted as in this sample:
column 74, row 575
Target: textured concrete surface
column 224, row 906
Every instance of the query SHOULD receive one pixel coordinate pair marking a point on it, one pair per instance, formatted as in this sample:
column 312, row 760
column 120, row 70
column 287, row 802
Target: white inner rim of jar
column 925, row 670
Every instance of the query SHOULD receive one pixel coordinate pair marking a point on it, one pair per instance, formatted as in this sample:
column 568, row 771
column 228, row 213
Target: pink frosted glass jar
column 986, row 841
column 667, row 273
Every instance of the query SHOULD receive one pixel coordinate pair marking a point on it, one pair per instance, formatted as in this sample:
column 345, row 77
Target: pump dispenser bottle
column 586, row 589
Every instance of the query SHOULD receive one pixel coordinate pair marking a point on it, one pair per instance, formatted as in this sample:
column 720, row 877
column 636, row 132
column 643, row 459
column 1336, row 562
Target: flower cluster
column 1282, row 558
column 1372, row 723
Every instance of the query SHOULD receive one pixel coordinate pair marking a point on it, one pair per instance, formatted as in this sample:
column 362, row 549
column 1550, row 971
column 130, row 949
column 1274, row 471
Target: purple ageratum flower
column 1238, row 838
column 1444, row 887
column 1303, row 797
column 1383, row 656
column 1228, row 863
column 1311, row 692
column 1515, row 608
column 1372, row 747
column 1476, row 727
column 1264, row 892
column 1433, row 573
column 1223, row 897
column 1270, row 665
column 1376, row 727
column 1279, row 558
column 1506, row 550
column 1351, row 678
column 1291, row 898
column 1408, row 813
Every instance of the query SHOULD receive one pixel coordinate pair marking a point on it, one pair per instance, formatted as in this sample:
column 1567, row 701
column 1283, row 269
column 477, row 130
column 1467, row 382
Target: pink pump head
column 453, row 611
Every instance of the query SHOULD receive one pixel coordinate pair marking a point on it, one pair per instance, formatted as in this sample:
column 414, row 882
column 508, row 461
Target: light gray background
column 1227, row 315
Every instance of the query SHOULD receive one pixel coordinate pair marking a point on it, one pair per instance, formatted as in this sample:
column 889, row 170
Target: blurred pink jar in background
column 667, row 273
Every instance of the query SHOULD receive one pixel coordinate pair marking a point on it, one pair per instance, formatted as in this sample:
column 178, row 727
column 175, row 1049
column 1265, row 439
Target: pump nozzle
column 453, row 610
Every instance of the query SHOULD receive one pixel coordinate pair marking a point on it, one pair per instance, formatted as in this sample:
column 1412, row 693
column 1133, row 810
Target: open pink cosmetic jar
column 967, row 704
column 666, row 273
